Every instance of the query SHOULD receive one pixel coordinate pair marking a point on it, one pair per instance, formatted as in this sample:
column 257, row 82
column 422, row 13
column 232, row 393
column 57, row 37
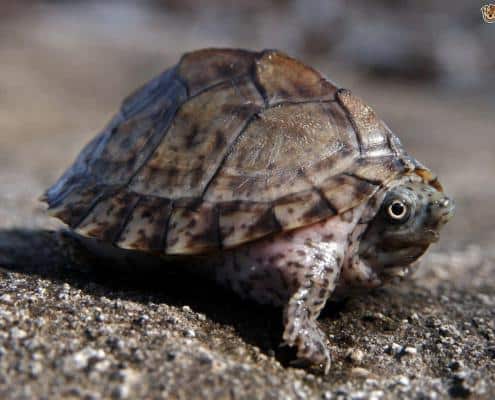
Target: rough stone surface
column 71, row 327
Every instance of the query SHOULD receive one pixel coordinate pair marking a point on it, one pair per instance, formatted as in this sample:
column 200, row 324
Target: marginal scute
column 193, row 230
column 198, row 140
column 204, row 68
column 241, row 220
column 146, row 227
column 379, row 170
column 108, row 216
column 373, row 134
column 286, row 79
column 72, row 205
column 303, row 208
column 345, row 192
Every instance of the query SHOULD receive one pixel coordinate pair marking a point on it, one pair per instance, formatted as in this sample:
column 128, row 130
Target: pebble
column 399, row 351
column 187, row 309
column 17, row 333
column 394, row 349
column 355, row 355
column 410, row 351
column 404, row 381
column 189, row 333
column 120, row 392
column 35, row 368
column 81, row 359
column 6, row 298
column 326, row 395
column 376, row 395
column 359, row 372
column 361, row 395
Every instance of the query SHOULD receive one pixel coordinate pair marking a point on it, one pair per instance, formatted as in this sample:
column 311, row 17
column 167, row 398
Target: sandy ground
column 67, row 333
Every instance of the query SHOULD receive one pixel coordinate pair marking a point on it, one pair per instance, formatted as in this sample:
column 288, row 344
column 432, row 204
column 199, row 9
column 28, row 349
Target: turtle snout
column 442, row 210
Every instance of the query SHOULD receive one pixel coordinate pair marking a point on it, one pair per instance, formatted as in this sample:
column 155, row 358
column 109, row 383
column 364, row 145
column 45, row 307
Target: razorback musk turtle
column 293, row 186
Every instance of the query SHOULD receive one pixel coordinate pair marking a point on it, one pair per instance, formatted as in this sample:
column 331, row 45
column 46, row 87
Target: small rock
column 376, row 395
column 142, row 320
column 355, row 355
column 6, row 298
column 35, row 368
column 359, row 395
column 82, row 358
column 189, row 333
column 326, row 395
column 120, row 392
column 359, row 372
column 410, row 351
column 403, row 381
column 115, row 343
column 455, row 365
column 17, row 333
column 205, row 358
column 100, row 317
column 414, row 317
column 394, row 349
column 171, row 355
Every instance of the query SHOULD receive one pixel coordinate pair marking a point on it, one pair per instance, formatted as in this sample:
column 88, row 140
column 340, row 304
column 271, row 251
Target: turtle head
column 409, row 220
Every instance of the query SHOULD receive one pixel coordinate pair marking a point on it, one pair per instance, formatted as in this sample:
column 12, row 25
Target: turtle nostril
column 445, row 202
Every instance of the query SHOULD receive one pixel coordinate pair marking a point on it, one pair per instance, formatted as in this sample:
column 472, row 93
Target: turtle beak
column 442, row 210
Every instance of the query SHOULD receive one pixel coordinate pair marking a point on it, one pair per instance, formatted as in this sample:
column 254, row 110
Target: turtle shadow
column 59, row 258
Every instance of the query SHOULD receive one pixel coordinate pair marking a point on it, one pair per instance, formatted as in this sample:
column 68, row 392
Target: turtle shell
column 224, row 148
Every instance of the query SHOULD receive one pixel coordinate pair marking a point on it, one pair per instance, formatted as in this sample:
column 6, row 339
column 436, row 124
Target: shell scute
column 106, row 219
column 146, row 227
column 239, row 220
column 132, row 142
column 204, row 68
column 344, row 192
column 301, row 208
column 149, row 94
column 279, row 148
column 72, row 205
column 285, row 79
column 377, row 170
column 193, row 230
column 374, row 135
column 199, row 138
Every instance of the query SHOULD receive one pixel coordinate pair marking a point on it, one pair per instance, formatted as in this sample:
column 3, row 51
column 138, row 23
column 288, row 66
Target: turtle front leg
column 316, row 282
column 297, row 270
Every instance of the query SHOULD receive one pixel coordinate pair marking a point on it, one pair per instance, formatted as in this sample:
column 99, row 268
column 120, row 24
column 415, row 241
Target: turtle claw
column 311, row 346
column 321, row 360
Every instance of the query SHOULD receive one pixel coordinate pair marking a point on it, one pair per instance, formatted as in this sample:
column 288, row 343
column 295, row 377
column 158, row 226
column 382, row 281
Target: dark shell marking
column 224, row 148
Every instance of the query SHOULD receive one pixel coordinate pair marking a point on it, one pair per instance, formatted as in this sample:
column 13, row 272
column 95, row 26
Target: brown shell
column 226, row 147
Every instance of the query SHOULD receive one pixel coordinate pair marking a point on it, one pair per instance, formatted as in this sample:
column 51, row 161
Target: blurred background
column 427, row 67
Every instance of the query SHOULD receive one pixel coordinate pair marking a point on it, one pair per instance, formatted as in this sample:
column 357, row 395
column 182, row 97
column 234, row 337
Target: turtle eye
column 397, row 210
